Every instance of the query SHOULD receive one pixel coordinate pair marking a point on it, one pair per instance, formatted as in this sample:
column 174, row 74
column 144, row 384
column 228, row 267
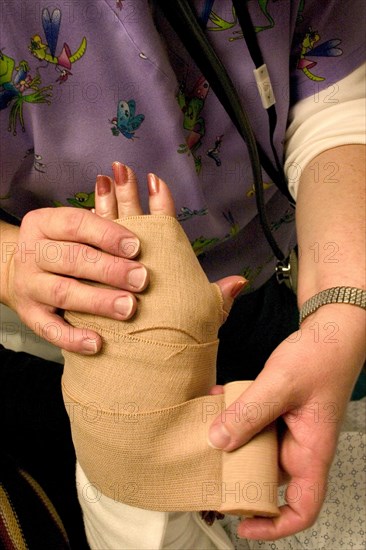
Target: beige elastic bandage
column 140, row 410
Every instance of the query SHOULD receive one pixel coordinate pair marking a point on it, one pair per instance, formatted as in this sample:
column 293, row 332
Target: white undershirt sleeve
column 335, row 116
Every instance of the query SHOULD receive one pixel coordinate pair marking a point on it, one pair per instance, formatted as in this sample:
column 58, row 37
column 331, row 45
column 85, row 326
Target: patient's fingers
column 105, row 200
column 126, row 191
column 216, row 390
column 230, row 288
column 160, row 198
column 121, row 198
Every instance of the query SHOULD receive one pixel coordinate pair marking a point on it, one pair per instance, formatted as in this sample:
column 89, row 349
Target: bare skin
column 42, row 259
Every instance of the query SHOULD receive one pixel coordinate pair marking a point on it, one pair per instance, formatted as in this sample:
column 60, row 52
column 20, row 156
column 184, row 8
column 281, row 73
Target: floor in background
column 342, row 521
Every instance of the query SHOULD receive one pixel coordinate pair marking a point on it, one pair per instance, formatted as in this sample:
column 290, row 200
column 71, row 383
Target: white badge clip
column 264, row 86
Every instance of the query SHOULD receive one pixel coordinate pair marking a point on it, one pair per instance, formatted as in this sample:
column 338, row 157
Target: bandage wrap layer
column 139, row 410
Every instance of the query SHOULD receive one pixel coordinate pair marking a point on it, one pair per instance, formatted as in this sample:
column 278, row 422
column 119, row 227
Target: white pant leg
column 116, row 526
column 113, row 525
column 187, row 530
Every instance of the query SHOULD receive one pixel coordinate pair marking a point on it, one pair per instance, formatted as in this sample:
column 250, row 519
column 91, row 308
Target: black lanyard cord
column 250, row 37
column 184, row 21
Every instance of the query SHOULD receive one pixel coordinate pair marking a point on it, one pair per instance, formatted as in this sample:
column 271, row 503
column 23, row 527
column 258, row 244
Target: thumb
column 230, row 288
column 248, row 415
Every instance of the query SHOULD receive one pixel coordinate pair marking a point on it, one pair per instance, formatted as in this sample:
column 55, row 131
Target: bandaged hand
column 140, row 410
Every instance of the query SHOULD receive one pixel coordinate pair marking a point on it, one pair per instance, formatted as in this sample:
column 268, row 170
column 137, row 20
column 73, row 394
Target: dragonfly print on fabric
column 217, row 23
column 51, row 23
column 214, row 152
column 201, row 244
column 287, row 217
column 18, row 87
column 187, row 214
column 310, row 49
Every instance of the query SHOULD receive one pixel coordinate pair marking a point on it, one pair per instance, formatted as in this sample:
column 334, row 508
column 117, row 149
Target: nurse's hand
column 44, row 262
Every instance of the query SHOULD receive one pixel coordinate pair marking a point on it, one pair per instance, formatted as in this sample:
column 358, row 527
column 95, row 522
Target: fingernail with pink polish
column 153, row 184
column 120, row 173
column 104, row 185
column 238, row 287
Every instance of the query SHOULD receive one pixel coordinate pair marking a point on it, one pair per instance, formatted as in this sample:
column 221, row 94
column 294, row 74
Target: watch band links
column 335, row 295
